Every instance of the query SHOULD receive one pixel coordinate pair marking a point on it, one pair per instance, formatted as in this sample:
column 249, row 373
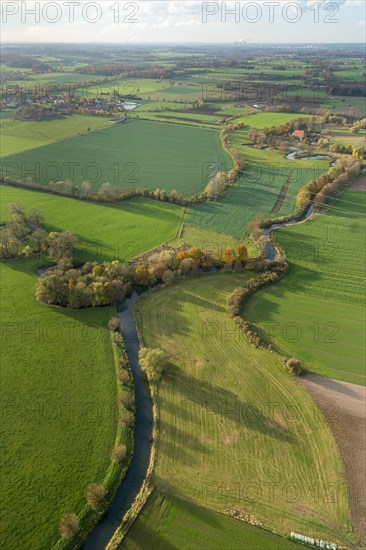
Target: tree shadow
column 223, row 404
column 179, row 445
column 146, row 538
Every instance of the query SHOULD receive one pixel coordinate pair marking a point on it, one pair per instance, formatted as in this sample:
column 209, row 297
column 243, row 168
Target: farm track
column 360, row 184
column 282, row 194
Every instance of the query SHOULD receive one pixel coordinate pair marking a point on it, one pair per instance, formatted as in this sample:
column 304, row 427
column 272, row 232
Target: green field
column 189, row 117
column 317, row 312
column 21, row 135
column 226, row 439
column 58, row 396
column 345, row 137
column 136, row 154
column 6, row 114
column 134, row 86
column 358, row 103
column 213, row 242
column 175, row 93
column 169, row 523
column 117, row 231
column 267, row 120
column 49, row 81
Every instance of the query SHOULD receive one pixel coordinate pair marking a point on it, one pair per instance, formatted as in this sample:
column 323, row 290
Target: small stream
column 269, row 248
column 131, row 484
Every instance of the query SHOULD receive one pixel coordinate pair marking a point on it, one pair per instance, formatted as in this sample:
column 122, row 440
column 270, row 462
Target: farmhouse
column 300, row 134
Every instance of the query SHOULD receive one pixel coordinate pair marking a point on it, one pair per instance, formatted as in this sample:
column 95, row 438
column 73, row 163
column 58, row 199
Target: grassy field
column 345, row 137
column 213, row 242
column 134, row 86
column 266, row 120
column 169, row 523
column 49, row 81
column 317, row 311
column 227, row 436
column 58, row 396
column 137, row 154
column 358, row 103
column 189, row 117
column 175, row 93
column 21, row 135
column 106, row 232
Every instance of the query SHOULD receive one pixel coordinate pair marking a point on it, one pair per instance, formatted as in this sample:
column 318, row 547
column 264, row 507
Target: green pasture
column 169, row 523
column 117, row 231
column 21, row 135
column 58, row 396
column 134, row 154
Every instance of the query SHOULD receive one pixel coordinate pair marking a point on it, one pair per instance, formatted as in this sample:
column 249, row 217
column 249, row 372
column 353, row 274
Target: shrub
column 126, row 419
column 294, row 365
column 153, row 362
column 69, row 526
column 126, row 400
column 122, row 361
column 118, row 453
column 95, row 495
column 113, row 324
column 123, row 376
column 117, row 338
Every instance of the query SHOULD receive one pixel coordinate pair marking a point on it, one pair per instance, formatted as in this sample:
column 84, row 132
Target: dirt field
column 359, row 184
column 344, row 406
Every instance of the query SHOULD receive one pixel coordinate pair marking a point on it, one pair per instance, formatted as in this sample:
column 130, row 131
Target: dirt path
column 359, row 184
column 344, row 406
column 282, row 194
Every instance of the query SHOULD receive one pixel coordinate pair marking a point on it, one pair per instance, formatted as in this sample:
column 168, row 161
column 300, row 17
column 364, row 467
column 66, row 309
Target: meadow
column 169, row 523
column 317, row 311
column 174, row 93
column 345, row 137
column 22, row 135
column 136, row 154
column 49, row 81
column 358, row 103
column 214, row 242
column 132, row 86
column 236, row 431
column 189, row 117
column 117, row 231
column 59, row 408
column 267, row 120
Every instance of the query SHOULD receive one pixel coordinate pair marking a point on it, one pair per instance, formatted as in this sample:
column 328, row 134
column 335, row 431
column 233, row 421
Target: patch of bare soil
column 344, row 406
column 359, row 184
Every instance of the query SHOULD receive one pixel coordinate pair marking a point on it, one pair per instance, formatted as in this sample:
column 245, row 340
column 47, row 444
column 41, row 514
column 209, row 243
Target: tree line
column 100, row 284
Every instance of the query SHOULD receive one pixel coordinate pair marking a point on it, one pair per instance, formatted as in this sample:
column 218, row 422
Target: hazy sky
column 309, row 21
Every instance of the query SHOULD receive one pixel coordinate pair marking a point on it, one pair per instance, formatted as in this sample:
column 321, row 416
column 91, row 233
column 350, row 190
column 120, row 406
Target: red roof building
column 299, row 133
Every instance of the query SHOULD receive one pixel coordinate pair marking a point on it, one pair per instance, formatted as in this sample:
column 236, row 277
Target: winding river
column 269, row 248
column 130, row 486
